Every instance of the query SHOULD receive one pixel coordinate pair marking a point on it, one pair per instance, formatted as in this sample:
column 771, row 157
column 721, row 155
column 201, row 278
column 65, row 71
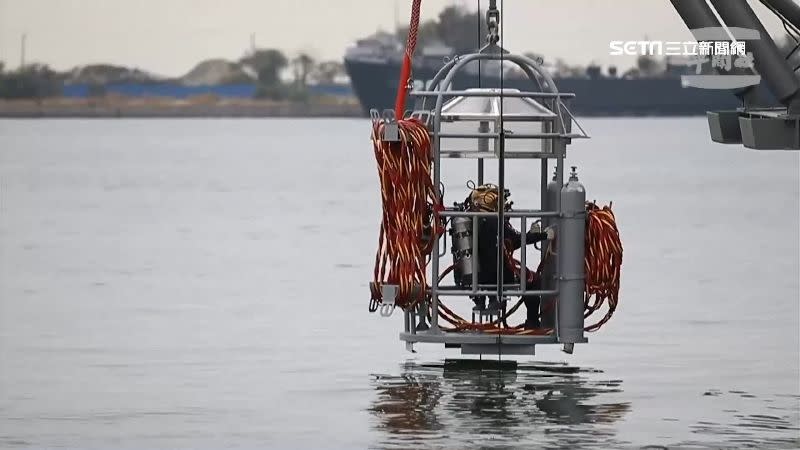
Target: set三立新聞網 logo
column 719, row 56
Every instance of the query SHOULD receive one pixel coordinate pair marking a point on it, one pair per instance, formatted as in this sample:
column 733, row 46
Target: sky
column 168, row 37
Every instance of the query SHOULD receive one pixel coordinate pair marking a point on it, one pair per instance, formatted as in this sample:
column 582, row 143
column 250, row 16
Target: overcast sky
column 169, row 36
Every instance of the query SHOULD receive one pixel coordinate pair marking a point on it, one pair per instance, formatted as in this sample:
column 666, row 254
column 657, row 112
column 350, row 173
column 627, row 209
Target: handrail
column 509, row 136
column 512, row 214
column 523, row 94
column 515, row 293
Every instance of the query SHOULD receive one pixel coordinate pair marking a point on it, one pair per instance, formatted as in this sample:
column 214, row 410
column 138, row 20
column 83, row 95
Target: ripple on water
column 757, row 430
column 469, row 403
column 458, row 404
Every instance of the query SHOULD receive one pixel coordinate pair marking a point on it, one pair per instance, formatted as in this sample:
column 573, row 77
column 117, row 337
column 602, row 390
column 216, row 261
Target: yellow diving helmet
column 485, row 198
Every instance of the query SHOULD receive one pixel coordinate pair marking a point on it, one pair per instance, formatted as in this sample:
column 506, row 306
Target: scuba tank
column 462, row 251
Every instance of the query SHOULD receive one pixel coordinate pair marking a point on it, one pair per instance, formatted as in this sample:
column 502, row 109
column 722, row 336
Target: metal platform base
column 473, row 343
column 764, row 132
column 764, row 129
column 724, row 127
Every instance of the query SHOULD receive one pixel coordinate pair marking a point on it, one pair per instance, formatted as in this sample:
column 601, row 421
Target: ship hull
column 375, row 85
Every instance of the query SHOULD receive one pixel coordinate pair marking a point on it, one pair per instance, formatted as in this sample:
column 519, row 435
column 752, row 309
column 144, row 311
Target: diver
column 486, row 198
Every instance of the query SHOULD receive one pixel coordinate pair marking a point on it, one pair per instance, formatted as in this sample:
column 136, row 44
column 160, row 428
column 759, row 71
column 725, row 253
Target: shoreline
column 91, row 109
column 162, row 108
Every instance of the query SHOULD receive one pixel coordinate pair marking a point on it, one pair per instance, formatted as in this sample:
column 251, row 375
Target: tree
column 462, row 29
column 2, row 66
column 268, row 64
column 455, row 27
column 32, row 81
column 428, row 33
column 649, row 66
column 565, row 70
column 302, row 65
column 327, row 71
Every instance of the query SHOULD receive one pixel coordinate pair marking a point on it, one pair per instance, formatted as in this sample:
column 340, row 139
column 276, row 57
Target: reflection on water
column 463, row 403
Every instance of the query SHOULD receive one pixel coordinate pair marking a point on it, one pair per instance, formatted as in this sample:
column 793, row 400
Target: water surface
column 202, row 284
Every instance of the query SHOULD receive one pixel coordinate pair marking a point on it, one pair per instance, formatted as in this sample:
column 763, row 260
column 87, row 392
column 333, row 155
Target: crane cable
column 405, row 71
column 411, row 223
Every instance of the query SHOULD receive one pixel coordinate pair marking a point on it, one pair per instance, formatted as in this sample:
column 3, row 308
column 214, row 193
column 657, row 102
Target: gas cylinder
column 571, row 240
column 549, row 267
column 461, row 234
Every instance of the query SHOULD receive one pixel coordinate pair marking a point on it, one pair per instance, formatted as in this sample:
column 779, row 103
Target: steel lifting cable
column 411, row 224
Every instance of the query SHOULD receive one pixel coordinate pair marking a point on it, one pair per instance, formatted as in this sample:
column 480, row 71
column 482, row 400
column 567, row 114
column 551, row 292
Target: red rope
column 405, row 71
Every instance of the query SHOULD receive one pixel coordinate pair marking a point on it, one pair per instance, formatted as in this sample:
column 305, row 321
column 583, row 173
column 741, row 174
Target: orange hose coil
column 602, row 263
column 410, row 208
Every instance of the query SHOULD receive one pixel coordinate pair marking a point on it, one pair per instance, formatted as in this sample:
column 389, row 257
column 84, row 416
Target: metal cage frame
column 558, row 134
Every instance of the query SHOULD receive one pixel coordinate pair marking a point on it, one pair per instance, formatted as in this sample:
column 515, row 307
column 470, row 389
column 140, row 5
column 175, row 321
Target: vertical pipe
column 437, row 140
column 444, row 245
column 543, row 199
column 560, row 181
column 474, row 256
column 547, row 127
column 556, row 256
column 545, row 206
column 501, row 186
column 550, row 263
column 483, row 143
column 501, row 176
column 523, row 275
column 483, row 146
column 501, row 217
